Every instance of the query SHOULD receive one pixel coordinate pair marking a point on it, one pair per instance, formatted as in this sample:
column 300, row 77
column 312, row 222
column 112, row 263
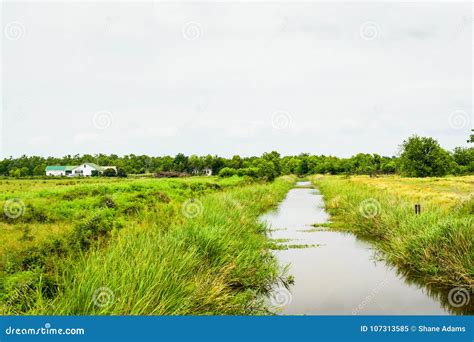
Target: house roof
column 95, row 166
column 103, row 168
column 59, row 168
column 92, row 165
column 70, row 168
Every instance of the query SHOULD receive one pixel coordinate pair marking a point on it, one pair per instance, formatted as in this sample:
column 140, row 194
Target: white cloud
column 216, row 94
column 87, row 138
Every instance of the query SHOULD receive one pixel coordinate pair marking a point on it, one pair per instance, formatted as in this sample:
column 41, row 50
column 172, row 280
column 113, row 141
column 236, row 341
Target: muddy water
column 339, row 276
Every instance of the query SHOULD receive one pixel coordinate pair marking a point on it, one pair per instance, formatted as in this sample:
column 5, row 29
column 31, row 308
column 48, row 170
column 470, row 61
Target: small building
column 56, row 170
column 202, row 172
column 86, row 170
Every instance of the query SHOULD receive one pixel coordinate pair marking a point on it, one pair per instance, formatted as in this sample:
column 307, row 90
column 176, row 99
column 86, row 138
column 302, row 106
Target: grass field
column 52, row 207
column 436, row 245
column 194, row 246
column 136, row 246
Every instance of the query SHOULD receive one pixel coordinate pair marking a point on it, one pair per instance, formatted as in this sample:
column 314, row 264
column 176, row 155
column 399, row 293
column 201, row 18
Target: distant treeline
column 418, row 157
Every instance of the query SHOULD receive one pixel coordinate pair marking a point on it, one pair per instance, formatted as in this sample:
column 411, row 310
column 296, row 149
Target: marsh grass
column 437, row 245
column 136, row 253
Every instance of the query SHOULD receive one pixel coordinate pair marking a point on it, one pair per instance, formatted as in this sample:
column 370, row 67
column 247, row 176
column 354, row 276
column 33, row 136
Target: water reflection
column 342, row 275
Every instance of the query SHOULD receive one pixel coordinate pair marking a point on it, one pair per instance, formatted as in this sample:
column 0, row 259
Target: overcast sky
column 233, row 78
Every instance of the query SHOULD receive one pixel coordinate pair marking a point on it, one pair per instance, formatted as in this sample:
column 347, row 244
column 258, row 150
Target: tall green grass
column 62, row 219
column 437, row 245
column 168, row 264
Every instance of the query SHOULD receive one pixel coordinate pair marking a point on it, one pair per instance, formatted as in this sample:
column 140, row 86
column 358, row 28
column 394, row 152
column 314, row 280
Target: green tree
column 273, row 157
column 39, row 170
column 195, row 164
column 464, row 158
column 423, row 157
column 303, row 167
column 266, row 170
column 14, row 172
column 109, row 173
column 24, row 171
column 180, row 163
column 121, row 173
column 235, row 162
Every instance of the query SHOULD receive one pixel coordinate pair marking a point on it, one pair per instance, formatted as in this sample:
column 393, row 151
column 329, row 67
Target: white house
column 204, row 172
column 86, row 170
column 56, row 170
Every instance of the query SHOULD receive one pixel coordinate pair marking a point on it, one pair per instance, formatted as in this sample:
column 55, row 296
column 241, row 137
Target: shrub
column 121, row 173
column 90, row 230
column 107, row 202
column 249, row 171
column 227, row 172
column 110, row 173
column 267, row 171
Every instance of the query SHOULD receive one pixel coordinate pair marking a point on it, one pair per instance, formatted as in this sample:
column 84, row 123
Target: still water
column 339, row 276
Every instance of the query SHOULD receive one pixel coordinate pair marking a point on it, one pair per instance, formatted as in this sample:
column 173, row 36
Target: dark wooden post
column 417, row 209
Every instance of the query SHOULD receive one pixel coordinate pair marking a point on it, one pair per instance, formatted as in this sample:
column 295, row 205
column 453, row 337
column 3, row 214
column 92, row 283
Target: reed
column 182, row 251
column 437, row 244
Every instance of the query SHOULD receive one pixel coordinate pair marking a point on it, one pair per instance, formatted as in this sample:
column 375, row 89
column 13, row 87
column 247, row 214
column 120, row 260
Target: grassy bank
column 147, row 247
column 437, row 245
column 46, row 223
column 35, row 213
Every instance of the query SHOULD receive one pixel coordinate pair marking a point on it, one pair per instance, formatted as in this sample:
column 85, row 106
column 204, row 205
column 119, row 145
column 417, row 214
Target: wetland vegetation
column 195, row 245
